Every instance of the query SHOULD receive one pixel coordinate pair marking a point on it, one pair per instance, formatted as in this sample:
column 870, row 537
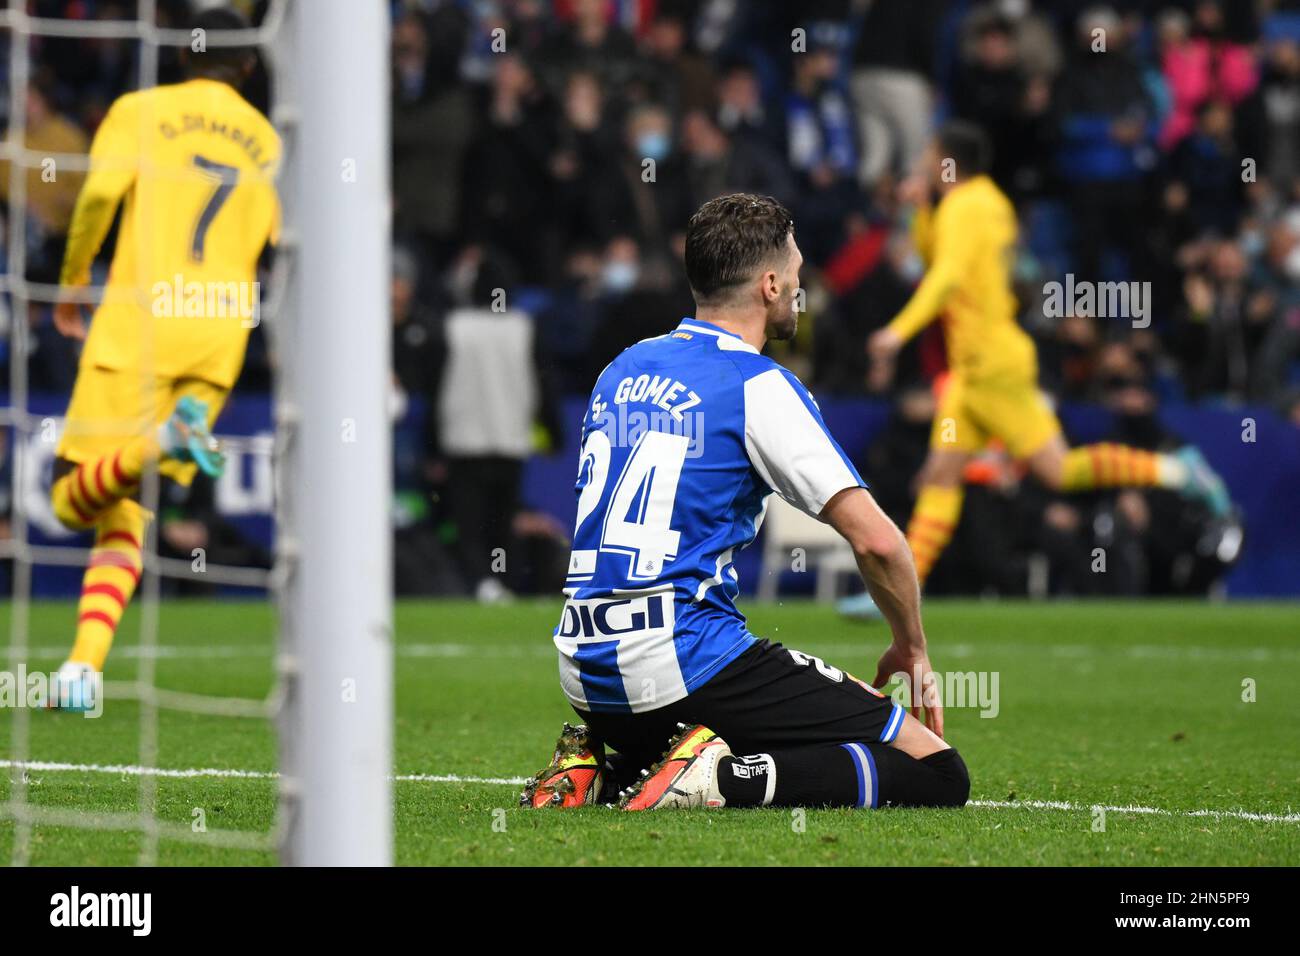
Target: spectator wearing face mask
column 637, row 298
column 641, row 194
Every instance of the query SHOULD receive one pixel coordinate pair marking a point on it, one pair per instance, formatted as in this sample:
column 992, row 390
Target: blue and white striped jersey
column 685, row 437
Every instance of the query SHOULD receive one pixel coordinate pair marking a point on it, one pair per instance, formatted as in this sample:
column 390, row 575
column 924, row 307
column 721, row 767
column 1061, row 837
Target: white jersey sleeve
column 789, row 445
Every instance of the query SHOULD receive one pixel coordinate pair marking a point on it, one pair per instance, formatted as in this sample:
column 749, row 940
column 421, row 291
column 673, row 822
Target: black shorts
column 768, row 698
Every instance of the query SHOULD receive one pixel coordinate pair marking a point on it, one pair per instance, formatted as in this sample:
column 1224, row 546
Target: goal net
column 329, row 701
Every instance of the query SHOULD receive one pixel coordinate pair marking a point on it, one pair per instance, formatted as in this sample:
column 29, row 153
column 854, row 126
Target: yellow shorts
column 109, row 407
column 1012, row 410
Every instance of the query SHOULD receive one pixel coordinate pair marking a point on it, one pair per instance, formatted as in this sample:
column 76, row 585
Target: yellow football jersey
column 193, row 166
column 968, row 243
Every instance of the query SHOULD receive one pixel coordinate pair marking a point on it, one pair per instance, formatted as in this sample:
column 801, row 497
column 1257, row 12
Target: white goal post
column 336, row 622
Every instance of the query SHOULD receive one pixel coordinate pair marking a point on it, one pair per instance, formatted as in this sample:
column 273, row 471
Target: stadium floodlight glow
column 336, row 753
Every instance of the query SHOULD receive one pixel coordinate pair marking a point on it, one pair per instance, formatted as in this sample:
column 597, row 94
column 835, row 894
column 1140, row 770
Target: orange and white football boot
column 687, row 776
column 575, row 775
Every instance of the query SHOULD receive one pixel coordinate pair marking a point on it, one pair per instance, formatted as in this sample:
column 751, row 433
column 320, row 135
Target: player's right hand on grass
column 914, row 666
column 69, row 320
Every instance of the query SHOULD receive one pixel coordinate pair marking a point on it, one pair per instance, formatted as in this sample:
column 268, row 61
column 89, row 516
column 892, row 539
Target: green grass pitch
column 1116, row 705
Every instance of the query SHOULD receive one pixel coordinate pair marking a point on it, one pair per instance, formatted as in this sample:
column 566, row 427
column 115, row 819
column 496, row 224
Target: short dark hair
column 967, row 145
column 730, row 237
column 229, row 60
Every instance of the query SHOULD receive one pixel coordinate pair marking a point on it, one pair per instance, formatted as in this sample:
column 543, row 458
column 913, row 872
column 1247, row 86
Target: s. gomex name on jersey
column 685, row 437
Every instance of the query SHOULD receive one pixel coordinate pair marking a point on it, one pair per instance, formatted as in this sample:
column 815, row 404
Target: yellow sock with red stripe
column 1108, row 465
column 934, row 519
column 84, row 494
column 111, row 576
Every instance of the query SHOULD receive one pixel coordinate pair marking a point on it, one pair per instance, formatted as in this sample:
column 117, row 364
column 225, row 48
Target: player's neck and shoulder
column 712, row 364
column 190, row 91
column 725, row 340
column 721, row 362
column 700, row 340
column 207, row 99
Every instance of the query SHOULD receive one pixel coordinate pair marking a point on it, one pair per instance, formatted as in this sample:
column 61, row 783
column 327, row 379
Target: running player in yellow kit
column 192, row 165
column 968, row 243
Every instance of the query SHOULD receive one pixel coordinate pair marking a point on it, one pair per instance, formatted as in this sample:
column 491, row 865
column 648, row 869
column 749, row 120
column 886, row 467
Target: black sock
column 822, row 775
column 844, row 775
column 746, row 781
column 939, row 780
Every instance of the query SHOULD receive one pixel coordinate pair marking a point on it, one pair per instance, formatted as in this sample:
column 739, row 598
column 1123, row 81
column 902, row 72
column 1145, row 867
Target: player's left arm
column 792, row 450
column 884, row 559
column 885, row 563
column 114, row 159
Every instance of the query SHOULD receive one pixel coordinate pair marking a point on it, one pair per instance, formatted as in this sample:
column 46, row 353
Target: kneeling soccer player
column 685, row 437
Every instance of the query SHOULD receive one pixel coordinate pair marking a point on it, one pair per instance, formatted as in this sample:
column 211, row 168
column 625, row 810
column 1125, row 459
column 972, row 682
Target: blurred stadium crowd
column 1173, row 157
column 1125, row 164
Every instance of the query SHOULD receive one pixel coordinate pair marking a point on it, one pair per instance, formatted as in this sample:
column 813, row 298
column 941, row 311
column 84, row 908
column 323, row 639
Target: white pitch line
column 543, row 648
column 1154, row 811
column 127, row 770
column 457, row 778
column 134, row 770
